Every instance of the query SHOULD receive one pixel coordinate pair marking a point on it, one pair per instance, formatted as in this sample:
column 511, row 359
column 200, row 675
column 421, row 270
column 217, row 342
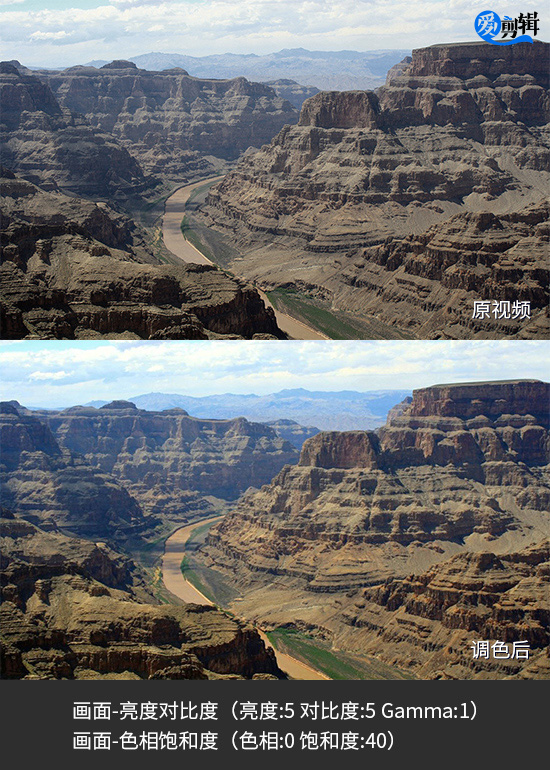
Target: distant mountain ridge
column 326, row 70
column 326, row 410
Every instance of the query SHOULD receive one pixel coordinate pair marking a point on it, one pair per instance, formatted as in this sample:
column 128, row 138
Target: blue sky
column 54, row 374
column 65, row 32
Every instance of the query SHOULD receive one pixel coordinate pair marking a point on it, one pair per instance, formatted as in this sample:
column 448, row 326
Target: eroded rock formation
column 73, row 269
column 431, row 621
column 169, row 121
column 54, row 487
column 410, row 203
column 167, row 461
column 76, row 610
column 439, row 515
column 58, row 149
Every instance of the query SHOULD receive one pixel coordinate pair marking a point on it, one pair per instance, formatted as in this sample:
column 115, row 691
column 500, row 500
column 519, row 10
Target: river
column 174, row 211
column 174, row 550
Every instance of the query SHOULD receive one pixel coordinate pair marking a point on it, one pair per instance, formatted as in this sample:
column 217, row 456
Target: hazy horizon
column 100, row 401
column 61, row 33
column 53, row 374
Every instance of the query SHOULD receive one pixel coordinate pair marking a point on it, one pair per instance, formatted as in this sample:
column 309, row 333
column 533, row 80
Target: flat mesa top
column 480, row 382
column 467, row 42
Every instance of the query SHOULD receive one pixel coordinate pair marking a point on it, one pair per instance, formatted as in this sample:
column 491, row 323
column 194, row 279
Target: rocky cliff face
column 409, row 203
column 58, row 149
column 56, row 488
column 73, row 610
column 73, row 269
column 430, row 621
column 460, row 462
column 169, row 121
column 168, row 461
column 458, row 471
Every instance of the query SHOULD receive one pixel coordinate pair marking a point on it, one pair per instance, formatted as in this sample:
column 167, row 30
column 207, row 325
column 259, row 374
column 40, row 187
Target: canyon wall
column 74, row 269
column 72, row 609
column 409, row 203
column 58, row 149
column 173, row 124
column 55, row 488
column 166, row 466
column 430, row 532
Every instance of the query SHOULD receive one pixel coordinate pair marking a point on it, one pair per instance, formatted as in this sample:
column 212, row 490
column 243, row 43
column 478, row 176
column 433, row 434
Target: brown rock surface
column 69, row 611
column 408, row 204
column 170, row 121
column 73, row 269
column 58, row 149
column 460, row 462
column 56, row 488
column 169, row 461
column 429, row 622
column 459, row 473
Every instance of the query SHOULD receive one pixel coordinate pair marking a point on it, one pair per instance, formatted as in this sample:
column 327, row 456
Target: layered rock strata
column 461, row 463
column 69, row 611
column 169, row 121
column 437, row 617
column 167, row 461
column 409, row 204
column 440, row 515
column 56, row 488
column 73, row 269
column 56, row 148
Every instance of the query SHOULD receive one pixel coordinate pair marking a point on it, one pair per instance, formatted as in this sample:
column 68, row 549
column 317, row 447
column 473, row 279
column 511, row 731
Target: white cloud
column 49, row 35
column 81, row 372
column 48, row 375
column 217, row 26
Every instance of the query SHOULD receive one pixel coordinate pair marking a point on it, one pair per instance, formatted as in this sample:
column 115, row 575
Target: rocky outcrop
column 471, row 400
column 505, row 254
column 292, row 431
column 410, row 203
column 430, row 622
column 412, row 542
column 32, row 554
column 459, row 467
column 32, row 217
column 69, row 612
column 58, row 149
column 56, row 488
column 352, row 449
column 480, row 592
column 169, row 121
column 169, row 461
column 73, row 269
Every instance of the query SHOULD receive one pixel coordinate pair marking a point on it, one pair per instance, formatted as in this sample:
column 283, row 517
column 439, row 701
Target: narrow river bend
column 174, row 211
column 174, row 551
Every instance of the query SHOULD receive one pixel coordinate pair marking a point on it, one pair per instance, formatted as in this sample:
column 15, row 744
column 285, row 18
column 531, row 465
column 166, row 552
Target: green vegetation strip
column 335, row 664
column 199, row 191
column 194, row 239
column 313, row 315
column 208, row 581
column 191, row 576
column 198, row 535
